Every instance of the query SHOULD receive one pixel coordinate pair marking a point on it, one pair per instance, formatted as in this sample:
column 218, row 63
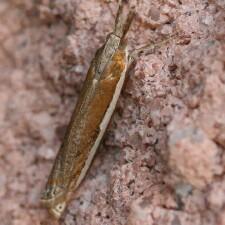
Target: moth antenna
column 150, row 48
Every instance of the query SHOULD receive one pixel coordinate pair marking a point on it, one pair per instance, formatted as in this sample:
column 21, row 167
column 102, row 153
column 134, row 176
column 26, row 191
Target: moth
column 95, row 106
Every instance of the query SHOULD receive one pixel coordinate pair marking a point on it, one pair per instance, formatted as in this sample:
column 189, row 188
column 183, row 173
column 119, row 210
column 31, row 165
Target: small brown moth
column 91, row 116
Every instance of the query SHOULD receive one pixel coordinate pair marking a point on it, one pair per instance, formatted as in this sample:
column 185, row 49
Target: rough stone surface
column 163, row 157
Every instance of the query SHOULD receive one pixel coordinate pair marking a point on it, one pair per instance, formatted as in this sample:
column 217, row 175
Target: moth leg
column 149, row 48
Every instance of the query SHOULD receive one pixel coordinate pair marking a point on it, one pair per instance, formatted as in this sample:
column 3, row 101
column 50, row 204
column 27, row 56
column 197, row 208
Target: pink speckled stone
column 162, row 160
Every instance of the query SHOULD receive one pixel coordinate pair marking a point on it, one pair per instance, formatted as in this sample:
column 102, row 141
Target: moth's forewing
column 85, row 131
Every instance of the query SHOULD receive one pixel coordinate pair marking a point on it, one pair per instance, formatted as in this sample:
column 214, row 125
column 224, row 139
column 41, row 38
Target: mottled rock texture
column 163, row 157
